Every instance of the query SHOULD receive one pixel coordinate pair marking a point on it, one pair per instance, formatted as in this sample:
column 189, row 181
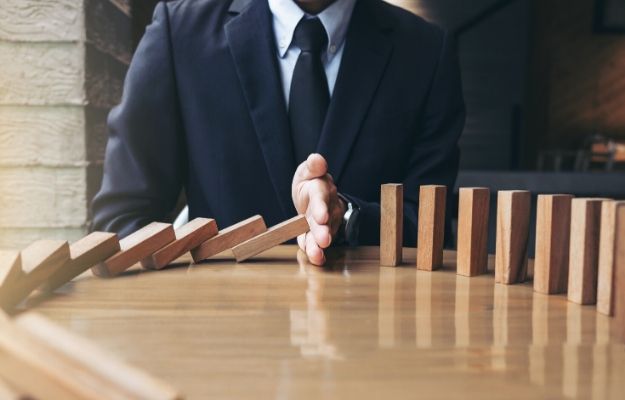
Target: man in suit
column 226, row 98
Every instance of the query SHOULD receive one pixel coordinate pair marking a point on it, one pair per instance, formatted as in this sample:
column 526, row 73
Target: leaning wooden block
column 584, row 250
column 391, row 224
column 553, row 232
column 513, row 218
column 229, row 238
column 473, row 209
column 40, row 260
column 84, row 254
column 136, row 247
column 10, row 267
column 276, row 235
column 45, row 361
column 619, row 274
column 431, row 231
column 188, row 237
column 607, row 243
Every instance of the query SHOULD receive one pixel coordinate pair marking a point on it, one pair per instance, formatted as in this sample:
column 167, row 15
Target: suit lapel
column 252, row 44
column 367, row 50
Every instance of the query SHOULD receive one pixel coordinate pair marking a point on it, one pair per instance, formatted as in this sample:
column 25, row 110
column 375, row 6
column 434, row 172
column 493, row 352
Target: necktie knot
column 310, row 36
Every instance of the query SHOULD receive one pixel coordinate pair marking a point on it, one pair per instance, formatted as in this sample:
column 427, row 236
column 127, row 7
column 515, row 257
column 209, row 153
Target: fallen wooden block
column 619, row 274
column 607, row 247
column 391, row 224
column 553, row 232
column 10, row 267
column 276, row 235
column 84, row 254
column 229, row 238
column 584, row 250
column 136, row 247
column 7, row 392
column 431, row 230
column 39, row 261
column 473, row 209
column 188, row 237
column 513, row 219
column 45, row 361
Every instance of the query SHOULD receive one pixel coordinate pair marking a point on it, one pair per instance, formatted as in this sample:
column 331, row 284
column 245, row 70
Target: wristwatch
column 349, row 229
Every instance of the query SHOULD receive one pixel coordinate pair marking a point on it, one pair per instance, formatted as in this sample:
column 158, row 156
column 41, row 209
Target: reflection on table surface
column 278, row 327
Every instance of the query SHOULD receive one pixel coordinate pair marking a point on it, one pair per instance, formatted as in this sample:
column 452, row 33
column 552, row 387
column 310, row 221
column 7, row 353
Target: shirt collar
column 335, row 20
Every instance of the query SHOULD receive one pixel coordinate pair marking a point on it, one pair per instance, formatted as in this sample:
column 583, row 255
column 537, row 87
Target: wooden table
column 279, row 328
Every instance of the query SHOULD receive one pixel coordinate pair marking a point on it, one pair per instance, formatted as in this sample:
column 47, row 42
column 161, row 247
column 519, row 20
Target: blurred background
column 544, row 83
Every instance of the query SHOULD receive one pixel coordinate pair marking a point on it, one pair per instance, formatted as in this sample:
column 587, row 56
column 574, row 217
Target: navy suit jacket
column 203, row 110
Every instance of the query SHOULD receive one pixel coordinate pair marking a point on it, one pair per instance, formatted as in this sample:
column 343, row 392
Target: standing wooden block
column 553, row 232
column 135, row 248
column 619, row 274
column 584, row 250
column 39, row 261
column 513, row 218
column 607, row 243
column 230, row 237
column 473, row 208
column 84, row 254
column 276, row 235
column 188, row 237
column 431, row 232
column 391, row 224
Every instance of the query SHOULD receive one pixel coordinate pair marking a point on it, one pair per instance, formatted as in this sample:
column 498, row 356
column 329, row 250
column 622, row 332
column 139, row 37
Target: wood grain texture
column 10, row 268
column 607, row 247
column 619, row 274
column 51, row 136
column 41, row 20
column 513, row 218
column 553, row 232
column 391, row 224
column 58, row 195
column 136, row 247
column 473, row 210
column 188, row 237
column 274, row 236
column 39, row 261
column 230, row 237
column 431, row 231
column 37, row 361
column 42, row 73
column 584, row 250
column 119, row 377
column 85, row 253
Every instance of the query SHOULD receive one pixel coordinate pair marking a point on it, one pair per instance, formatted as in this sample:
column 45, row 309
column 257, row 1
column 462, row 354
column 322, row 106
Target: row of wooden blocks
column 580, row 242
column 49, row 264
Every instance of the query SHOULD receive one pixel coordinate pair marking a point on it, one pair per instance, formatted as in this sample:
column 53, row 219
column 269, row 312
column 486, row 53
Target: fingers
column 315, row 166
column 313, row 252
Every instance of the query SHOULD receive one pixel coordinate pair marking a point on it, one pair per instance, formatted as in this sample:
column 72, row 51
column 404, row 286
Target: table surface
column 277, row 327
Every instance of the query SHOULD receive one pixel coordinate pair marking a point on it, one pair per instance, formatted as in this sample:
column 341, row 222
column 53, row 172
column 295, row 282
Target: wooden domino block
column 607, row 243
column 136, row 247
column 229, row 238
column 619, row 274
column 40, row 260
column 44, row 361
column 553, row 230
column 431, row 231
column 513, row 218
column 473, row 209
column 391, row 224
column 584, row 250
column 10, row 267
column 276, row 235
column 188, row 237
column 84, row 254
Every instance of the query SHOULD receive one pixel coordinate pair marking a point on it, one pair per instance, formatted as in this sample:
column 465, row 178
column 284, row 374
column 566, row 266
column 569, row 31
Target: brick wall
column 62, row 64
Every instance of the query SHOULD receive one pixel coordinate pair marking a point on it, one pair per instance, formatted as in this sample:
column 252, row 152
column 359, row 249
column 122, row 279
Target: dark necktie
column 309, row 96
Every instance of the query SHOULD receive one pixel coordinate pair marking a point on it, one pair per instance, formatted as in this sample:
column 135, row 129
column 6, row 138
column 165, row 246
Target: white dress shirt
column 335, row 20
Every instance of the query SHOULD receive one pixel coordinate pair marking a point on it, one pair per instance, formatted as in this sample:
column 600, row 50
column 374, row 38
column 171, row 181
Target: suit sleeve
column 144, row 160
column 435, row 154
